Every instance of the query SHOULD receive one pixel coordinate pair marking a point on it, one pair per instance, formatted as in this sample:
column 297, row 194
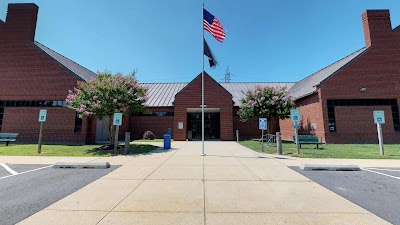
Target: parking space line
column 26, row 172
column 382, row 174
column 8, row 169
column 384, row 169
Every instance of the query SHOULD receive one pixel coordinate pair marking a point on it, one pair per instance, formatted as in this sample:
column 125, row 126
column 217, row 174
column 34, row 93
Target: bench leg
column 6, row 143
column 317, row 146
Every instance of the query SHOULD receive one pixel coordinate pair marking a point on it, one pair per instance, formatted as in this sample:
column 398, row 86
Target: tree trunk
column 273, row 125
column 111, row 133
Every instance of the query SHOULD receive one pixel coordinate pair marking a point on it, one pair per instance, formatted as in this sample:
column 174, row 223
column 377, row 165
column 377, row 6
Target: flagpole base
column 203, row 154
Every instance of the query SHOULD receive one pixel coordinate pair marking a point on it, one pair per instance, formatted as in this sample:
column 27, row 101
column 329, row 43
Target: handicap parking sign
column 379, row 116
column 117, row 119
column 262, row 123
column 42, row 115
column 295, row 115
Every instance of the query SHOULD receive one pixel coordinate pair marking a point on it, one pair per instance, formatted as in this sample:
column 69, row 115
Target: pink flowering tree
column 266, row 102
column 106, row 94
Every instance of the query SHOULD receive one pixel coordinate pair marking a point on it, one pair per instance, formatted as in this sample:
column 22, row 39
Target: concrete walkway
column 231, row 185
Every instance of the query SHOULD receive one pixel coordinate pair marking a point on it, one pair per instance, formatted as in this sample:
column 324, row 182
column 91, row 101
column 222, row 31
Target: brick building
column 178, row 106
column 33, row 77
column 336, row 103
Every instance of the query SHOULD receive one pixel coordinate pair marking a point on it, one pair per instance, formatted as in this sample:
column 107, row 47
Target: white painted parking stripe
column 384, row 169
column 8, row 169
column 382, row 174
column 26, row 172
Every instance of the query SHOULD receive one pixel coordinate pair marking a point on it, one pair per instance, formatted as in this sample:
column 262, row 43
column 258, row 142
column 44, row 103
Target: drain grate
column 322, row 167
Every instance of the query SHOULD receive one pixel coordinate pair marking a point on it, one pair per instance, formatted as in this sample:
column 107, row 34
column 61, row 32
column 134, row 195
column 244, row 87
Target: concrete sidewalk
column 231, row 185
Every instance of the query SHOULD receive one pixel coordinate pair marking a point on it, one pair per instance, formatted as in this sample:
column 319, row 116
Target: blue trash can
column 169, row 131
column 167, row 141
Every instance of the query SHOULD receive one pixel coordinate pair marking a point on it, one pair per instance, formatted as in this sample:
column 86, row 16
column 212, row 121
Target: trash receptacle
column 167, row 141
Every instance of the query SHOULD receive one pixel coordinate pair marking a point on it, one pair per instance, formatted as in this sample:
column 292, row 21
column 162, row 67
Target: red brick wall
column 355, row 124
column 215, row 96
column 377, row 70
column 156, row 124
column 28, row 73
column 310, row 112
column 248, row 129
column 58, row 128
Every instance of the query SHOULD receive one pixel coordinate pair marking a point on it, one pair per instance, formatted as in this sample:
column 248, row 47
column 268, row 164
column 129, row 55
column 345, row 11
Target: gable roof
column 205, row 75
column 163, row 94
column 74, row 67
column 307, row 86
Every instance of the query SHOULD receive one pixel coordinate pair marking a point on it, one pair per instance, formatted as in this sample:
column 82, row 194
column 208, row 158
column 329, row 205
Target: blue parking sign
column 379, row 116
column 295, row 115
column 262, row 124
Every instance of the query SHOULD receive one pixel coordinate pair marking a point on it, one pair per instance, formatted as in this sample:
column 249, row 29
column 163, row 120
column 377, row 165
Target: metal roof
column 74, row 67
column 238, row 90
column 163, row 94
column 308, row 85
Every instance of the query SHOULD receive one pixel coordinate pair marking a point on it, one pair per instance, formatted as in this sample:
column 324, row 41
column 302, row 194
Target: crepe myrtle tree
column 266, row 102
column 106, row 94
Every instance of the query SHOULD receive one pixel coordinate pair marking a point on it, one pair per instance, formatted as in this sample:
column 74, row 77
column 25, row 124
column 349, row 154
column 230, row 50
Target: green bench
column 8, row 137
column 308, row 139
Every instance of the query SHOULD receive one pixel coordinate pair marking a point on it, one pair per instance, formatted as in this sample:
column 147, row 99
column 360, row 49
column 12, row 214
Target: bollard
column 127, row 142
column 237, row 135
column 279, row 143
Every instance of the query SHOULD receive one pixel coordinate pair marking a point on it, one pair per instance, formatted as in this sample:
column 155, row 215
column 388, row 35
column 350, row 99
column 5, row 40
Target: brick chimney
column 21, row 21
column 1, row 25
column 377, row 26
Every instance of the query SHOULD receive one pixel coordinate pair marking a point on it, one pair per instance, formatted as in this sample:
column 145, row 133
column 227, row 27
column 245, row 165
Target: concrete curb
column 69, row 165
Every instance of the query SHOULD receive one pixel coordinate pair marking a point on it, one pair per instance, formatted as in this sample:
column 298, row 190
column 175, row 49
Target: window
column 157, row 114
column 78, row 123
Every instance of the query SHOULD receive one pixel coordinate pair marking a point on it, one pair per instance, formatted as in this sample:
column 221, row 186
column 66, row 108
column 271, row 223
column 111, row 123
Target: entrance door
column 211, row 125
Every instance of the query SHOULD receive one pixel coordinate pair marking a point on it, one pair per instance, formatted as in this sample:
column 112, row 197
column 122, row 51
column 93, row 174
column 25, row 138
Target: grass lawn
column 341, row 151
column 68, row 150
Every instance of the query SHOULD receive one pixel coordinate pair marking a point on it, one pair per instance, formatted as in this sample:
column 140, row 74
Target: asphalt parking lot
column 375, row 189
column 27, row 189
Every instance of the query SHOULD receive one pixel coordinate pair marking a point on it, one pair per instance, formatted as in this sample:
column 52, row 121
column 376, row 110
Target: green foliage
column 268, row 102
column 338, row 151
column 107, row 94
column 68, row 150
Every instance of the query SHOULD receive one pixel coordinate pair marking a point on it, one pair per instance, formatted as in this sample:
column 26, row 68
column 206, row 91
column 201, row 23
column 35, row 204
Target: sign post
column 42, row 119
column 379, row 119
column 117, row 122
column 295, row 117
column 262, row 125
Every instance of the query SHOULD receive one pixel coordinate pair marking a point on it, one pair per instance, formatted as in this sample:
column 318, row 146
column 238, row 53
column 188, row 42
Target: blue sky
column 280, row 40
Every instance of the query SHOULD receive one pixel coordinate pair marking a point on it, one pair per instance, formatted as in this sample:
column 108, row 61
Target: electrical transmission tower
column 227, row 75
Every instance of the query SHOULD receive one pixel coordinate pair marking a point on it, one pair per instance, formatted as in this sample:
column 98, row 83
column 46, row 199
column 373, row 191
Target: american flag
column 212, row 25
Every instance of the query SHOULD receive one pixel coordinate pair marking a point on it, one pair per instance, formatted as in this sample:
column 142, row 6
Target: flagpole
column 202, row 89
